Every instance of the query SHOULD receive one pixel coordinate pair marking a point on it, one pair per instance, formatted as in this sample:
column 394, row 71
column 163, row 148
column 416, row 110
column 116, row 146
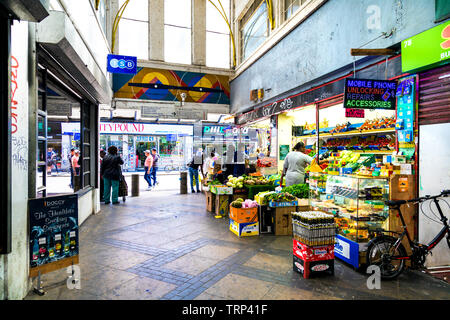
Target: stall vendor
column 294, row 165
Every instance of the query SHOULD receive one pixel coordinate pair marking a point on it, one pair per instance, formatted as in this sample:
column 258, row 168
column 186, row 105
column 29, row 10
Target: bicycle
column 388, row 252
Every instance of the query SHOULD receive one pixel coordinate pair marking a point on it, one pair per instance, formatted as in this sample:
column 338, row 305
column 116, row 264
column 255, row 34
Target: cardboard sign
column 354, row 113
column 403, row 184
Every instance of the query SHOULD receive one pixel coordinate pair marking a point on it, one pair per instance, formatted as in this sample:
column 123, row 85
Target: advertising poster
column 53, row 229
column 369, row 94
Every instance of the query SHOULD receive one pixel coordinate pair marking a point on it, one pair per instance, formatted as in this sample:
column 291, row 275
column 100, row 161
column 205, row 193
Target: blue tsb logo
column 122, row 64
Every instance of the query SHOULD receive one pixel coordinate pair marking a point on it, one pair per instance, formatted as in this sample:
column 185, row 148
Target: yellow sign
column 403, row 184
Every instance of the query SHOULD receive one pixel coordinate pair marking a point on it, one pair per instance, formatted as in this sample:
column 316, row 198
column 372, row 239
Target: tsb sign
column 121, row 64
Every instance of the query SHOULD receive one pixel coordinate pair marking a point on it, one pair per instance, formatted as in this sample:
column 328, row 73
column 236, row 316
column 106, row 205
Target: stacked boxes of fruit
column 244, row 218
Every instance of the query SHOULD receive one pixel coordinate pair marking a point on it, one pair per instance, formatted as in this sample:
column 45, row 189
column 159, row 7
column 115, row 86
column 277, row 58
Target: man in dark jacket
column 111, row 172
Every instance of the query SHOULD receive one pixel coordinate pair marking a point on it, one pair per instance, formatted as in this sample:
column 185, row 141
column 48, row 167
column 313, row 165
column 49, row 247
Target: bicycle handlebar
column 392, row 203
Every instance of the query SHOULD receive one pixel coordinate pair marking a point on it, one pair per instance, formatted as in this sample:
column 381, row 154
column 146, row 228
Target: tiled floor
column 163, row 245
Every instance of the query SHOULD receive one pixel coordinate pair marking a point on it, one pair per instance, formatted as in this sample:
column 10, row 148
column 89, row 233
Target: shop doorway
column 140, row 149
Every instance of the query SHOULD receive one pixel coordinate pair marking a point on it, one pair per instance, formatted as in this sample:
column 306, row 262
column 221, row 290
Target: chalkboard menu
column 53, row 229
column 369, row 94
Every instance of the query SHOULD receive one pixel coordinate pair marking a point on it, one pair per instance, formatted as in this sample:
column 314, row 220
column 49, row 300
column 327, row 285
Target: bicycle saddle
column 395, row 202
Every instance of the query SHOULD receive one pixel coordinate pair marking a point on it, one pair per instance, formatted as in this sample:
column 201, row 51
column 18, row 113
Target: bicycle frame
column 445, row 229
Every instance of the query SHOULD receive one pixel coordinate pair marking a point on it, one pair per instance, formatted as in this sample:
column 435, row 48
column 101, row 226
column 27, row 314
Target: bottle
column 73, row 241
column 35, row 256
column 66, row 243
column 58, row 244
column 43, row 247
column 51, row 247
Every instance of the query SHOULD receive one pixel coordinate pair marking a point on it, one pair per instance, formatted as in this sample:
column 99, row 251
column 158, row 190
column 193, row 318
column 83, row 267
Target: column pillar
column 198, row 32
column 156, row 30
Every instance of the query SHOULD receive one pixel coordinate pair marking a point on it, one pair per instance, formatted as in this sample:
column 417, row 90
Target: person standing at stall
column 294, row 165
column 148, row 164
column 194, row 165
column 111, row 172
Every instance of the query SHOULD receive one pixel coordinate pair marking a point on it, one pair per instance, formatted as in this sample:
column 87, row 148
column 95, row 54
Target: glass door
column 41, row 177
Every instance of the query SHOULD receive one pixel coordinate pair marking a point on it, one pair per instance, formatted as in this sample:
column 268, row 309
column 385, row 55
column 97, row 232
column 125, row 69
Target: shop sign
column 369, row 94
column 121, row 64
column 347, row 250
column 354, row 113
column 431, row 47
column 213, row 130
column 144, row 128
column 53, row 231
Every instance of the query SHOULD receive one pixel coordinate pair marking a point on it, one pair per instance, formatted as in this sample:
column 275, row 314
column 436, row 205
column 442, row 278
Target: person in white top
column 294, row 165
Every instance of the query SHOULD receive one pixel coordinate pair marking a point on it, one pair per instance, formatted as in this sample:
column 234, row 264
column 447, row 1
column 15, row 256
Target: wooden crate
column 222, row 206
column 409, row 213
column 210, row 201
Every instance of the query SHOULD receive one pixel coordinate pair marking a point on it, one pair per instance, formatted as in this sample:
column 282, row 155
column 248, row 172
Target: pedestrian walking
column 155, row 157
column 294, row 165
column 102, row 184
column 75, row 164
column 69, row 157
column 194, row 165
column 111, row 172
column 148, row 164
column 51, row 160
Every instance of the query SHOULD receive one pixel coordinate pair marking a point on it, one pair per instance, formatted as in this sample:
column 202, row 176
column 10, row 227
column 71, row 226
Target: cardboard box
column 244, row 215
column 244, row 229
column 210, row 201
column 283, row 221
column 221, row 189
column 276, row 204
column 222, row 205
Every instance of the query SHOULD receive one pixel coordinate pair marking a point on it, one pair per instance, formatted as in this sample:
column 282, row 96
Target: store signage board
column 347, row 250
column 121, row 64
column 429, row 48
column 369, row 94
column 354, row 113
column 53, row 233
column 144, row 128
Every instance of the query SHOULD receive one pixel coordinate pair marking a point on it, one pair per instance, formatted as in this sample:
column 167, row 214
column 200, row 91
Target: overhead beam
column 373, row 52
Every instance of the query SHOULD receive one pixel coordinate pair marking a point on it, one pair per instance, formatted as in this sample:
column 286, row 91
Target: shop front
column 427, row 57
column 361, row 158
column 172, row 142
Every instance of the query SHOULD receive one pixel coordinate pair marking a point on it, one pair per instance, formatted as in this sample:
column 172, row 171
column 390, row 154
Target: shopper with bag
column 111, row 172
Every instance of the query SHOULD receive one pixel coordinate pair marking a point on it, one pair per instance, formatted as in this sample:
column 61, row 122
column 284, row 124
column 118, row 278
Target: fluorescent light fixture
column 445, row 76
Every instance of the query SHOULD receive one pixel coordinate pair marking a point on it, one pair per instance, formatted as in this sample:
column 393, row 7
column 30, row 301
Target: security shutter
column 434, row 96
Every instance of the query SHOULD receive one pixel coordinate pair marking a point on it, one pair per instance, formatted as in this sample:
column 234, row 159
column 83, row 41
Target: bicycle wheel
column 380, row 254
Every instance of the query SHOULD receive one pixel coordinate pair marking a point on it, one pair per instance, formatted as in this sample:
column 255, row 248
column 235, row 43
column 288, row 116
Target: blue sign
column 347, row 250
column 122, row 64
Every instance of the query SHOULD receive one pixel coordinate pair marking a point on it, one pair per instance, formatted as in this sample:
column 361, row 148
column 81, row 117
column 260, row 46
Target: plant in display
column 300, row 191
column 281, row 197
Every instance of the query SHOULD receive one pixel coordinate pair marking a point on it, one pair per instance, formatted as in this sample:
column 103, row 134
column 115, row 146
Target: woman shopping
column 111, row 172
column 294, row 165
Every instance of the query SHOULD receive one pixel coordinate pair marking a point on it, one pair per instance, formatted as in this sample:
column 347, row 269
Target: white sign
column 342, row 248
column 132, row 128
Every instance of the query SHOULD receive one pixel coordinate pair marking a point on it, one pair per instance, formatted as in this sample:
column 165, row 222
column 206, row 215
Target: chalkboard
column 53, row 229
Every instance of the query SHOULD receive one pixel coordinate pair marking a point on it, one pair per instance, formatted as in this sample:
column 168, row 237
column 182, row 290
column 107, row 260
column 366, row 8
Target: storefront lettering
column 122, row 127
column 14, row 88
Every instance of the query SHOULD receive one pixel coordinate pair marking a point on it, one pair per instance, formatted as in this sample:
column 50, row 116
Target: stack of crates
column 313, row 243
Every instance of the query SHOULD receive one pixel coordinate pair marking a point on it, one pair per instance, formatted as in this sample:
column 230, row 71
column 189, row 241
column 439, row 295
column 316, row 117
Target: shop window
column 65, row 121
column 217, row 36
column 133, row 29
column 292, row 6
column 442, row 9
column 177, row 31
column 254, row 29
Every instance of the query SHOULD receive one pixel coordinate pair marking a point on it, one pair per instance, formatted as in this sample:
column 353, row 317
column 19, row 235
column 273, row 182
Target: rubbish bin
column 183, row 182
column 135, row 185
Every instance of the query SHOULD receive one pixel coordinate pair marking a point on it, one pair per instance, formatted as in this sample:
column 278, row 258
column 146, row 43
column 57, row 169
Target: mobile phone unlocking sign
column 369, row 94
column 121, row 64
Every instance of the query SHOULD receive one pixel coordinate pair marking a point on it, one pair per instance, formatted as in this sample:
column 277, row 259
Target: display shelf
column 350, row 133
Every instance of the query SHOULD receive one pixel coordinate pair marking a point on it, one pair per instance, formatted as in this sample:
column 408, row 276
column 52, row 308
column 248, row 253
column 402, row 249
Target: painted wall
column 122, row 89
column 322, row 43
column 16, row 270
